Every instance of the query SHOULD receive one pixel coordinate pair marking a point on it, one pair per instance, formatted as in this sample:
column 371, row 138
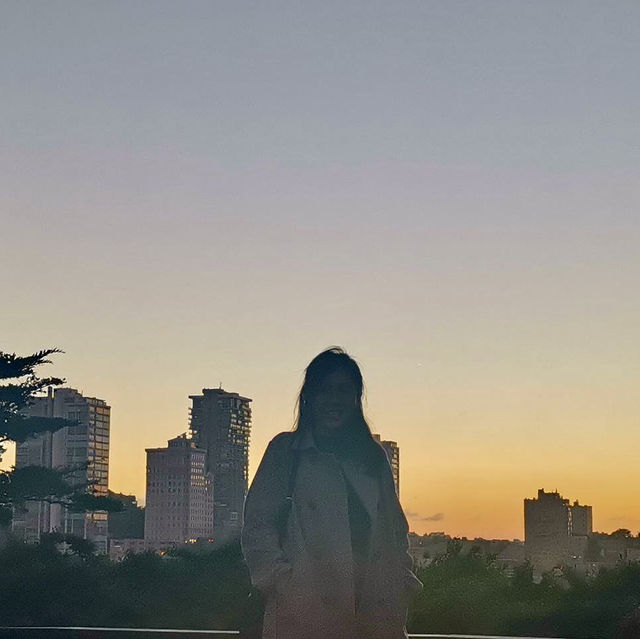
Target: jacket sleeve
column 400, row 528
column 260, row 536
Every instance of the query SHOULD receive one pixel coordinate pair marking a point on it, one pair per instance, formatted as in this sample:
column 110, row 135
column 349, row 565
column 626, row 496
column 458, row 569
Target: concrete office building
column 220, row 424
column 72, row 446
column 179, row 504
column 393, row 454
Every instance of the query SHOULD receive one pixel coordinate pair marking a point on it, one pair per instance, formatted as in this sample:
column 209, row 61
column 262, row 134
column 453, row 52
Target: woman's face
column 334, row 404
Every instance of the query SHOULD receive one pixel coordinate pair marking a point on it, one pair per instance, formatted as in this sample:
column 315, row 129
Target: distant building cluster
column 424, row 549
column 555, row 530
column 560, row 534
column 195, row 486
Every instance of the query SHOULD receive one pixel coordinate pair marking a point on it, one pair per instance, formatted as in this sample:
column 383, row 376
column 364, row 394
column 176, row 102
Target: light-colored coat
column 307, row 580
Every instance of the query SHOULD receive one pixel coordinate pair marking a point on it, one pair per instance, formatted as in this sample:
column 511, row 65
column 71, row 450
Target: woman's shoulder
column 378, row 458
column 281, row 441
column 378, row 451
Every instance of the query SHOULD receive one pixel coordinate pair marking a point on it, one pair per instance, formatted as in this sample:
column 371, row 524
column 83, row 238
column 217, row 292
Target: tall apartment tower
column 555, row 532
column 220, row 424
column 393, row 454
column 87, row 442
column 179, row 504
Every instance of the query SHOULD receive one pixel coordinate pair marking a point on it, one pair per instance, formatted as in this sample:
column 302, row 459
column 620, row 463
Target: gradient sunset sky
column 195, row 193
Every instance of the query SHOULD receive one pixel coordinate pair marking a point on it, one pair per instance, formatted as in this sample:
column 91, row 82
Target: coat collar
column 365, row 486
column 304, row 440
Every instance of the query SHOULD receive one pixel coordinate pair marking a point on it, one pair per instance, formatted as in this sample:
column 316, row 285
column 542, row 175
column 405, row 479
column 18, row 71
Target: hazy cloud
column 419, row 517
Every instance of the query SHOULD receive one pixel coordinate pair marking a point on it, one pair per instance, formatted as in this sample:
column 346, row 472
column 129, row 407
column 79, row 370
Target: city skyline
column 391, row 447
column 217, row 192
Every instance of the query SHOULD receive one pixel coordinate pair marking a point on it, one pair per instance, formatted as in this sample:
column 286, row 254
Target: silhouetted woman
column 324, row 534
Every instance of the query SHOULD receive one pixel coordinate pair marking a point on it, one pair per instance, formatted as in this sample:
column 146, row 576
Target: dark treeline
column 464, row 593
column 41, row 586
column 469, row 594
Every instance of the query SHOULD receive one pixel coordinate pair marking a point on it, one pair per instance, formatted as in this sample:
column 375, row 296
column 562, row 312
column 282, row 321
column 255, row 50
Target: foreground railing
column 76, row 632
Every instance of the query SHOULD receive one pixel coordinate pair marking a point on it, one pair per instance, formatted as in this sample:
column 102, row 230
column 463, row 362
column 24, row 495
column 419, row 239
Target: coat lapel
column 364, row 485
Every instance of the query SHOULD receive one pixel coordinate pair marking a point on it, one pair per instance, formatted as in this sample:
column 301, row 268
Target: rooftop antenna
column 220, row 387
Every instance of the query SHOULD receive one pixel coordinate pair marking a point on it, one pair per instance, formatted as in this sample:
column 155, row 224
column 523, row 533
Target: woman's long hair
column 323, row 364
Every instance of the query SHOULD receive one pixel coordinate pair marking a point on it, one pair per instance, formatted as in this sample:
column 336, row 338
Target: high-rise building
column 221, row 424
column 555, row 532
column 179, row 504
column 85, row 444
column 393, row 454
